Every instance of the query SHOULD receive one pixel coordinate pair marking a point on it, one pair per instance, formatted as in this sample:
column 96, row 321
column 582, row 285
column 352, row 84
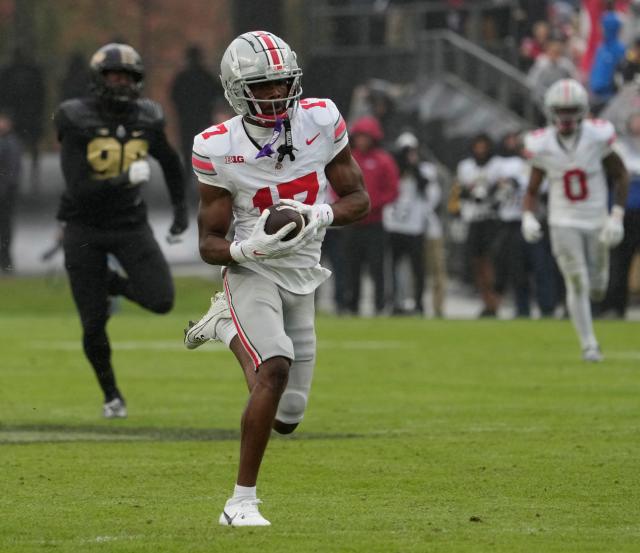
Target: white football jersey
column 408, row 213
column 513, row 172
column 578, row 193
column 225, row 156
column 477, row 180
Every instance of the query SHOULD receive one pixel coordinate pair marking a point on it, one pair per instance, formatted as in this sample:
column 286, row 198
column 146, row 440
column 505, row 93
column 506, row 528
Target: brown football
column 279, row 216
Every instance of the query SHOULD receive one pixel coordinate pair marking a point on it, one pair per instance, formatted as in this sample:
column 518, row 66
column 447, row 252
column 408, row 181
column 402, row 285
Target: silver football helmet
column 566, row 104
column 257, row 57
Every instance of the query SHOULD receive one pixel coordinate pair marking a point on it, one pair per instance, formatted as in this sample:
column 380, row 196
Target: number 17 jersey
column 225, row 156
column 578, row 192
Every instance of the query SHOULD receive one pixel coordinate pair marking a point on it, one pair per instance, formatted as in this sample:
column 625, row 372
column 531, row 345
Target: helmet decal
column 271, row 49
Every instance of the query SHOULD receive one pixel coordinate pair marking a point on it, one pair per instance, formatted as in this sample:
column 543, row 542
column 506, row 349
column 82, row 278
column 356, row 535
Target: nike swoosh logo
column 229, row 519
column 310, row 141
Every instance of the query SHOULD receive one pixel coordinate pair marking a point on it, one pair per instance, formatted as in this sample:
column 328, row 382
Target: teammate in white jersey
column 577, row 157
column 277, row 149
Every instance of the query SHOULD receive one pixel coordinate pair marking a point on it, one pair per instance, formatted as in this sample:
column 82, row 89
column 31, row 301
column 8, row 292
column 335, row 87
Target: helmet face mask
column 568, row 119
column 270, row 108
column 117, row 59
column 566, row 105
column 254, row 59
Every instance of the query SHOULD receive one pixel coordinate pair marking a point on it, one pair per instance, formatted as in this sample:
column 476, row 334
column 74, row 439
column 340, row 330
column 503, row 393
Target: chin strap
column 286, row 148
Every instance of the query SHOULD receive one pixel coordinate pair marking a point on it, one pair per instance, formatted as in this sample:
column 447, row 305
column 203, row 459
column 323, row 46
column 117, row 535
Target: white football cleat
column 205, row 329
column 114, row 409
column 592, row 354
column 242, row 512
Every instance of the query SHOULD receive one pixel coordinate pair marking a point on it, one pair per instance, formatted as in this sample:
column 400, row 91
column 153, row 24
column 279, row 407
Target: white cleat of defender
column 205, row 329
column 592, row 354
column 114, row 409
column 242, row 512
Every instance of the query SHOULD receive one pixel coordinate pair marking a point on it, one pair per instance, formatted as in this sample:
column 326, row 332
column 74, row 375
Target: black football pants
column 364, row 245
column 412, row 247
column 148, row 283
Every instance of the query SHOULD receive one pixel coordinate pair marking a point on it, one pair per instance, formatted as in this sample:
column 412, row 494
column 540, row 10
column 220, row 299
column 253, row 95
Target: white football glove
column 260, row 245
column 139, row 172
column 613, row 231
column 179, row 224
column 531, row 228
column 323, row 213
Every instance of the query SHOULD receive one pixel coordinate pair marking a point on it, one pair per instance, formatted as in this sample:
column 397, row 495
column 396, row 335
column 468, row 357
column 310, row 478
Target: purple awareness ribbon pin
column 267, row 150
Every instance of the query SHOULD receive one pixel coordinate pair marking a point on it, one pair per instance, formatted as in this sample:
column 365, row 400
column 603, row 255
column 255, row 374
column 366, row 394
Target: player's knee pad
column 291, row 407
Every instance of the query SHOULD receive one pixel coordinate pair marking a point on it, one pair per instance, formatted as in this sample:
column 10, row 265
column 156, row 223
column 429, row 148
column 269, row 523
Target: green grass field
column 425, row 436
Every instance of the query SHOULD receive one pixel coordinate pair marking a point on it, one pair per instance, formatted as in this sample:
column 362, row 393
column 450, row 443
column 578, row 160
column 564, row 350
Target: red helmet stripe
column 271, row 47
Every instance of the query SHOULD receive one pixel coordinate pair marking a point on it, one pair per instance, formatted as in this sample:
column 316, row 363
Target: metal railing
column 444, row 52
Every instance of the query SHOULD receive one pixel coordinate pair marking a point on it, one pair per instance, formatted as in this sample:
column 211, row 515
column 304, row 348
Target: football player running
column 577, row 157
column 105, row 138
column 278, row 148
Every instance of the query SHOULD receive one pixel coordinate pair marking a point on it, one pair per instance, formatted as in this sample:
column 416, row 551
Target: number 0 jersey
column 578, row 193
column 225, row 156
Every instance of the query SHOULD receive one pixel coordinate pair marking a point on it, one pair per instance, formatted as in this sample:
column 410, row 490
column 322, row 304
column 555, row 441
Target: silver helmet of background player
column 566, row 104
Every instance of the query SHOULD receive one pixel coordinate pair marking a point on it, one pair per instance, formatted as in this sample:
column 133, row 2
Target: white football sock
column 244, row 492
column 225, row 331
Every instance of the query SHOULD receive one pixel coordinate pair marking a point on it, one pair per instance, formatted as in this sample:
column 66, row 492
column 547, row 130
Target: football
column 279, row 216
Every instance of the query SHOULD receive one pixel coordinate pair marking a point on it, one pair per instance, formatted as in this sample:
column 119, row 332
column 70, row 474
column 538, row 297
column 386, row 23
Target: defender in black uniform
column 105, row 140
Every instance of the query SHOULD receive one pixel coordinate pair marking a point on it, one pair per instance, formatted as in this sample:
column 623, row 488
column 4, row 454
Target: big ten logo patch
column 234, row 159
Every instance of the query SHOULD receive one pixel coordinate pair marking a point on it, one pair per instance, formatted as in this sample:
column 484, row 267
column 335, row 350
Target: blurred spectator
column 629, row 67
column 475, row 177
column 333, row 250
column 534, row 10
column 194, row 92
column 381, row 104
column 10, row 164
column 365, row 240
column 434, row 243
column 608, row 55
column 75, row 82
column 561, row 16
column 617, row 298
column 550, row 67
column 509, row 247
column 535, row 45
column 405, row 223
column 22, row 93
